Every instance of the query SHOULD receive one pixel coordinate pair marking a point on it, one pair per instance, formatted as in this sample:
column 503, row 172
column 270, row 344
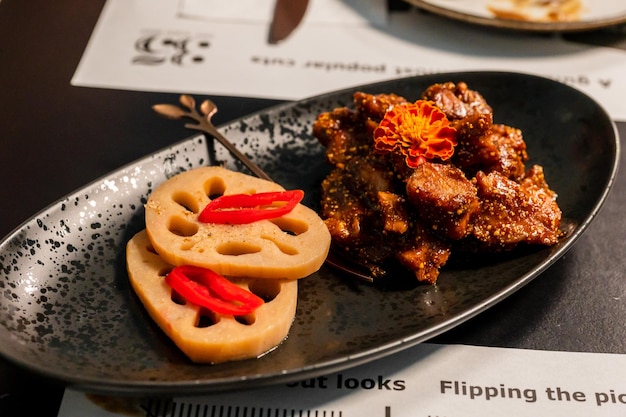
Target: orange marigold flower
column 419, row 131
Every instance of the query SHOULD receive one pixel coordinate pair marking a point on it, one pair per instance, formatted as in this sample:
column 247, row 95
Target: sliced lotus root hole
column 286, row 249
column 177, row 298
column 237, row 248
column 164, row 271
column 181, row 227
column 267, row 289
column 206, row 318
column 293, row 227
column 243, row 248
column 214, row 187
column 187, row 201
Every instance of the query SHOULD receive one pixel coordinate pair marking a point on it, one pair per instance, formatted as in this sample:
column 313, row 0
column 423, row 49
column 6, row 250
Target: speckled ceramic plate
column 593, row 14
column 67, row 310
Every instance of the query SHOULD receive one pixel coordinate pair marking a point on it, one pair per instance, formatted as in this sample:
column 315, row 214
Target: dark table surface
column 54, row 138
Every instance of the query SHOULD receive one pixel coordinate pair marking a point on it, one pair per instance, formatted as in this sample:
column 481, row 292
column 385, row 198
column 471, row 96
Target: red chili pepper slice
column 207, row 288
column 249, row 208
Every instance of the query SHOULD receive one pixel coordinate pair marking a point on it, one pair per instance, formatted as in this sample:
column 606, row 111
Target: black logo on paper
column 174, row 48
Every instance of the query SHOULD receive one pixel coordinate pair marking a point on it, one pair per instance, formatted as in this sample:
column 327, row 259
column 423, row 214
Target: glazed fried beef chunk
column 466, row 109
column 422, row 253
column 501, row 149
column 343, row 135
column 444, row 197
column 379, row 210
column 511, row 212
column 350, row 201
column 457, row 101
column 374, row 107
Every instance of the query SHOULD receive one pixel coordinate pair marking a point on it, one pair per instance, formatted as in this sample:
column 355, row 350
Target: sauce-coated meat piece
column 368, row 175
column 394, row 212
column 500, row 149
column 350, row 201
column 342, row 134
column 511, row 213
column 374, row 106
column 457, row 101
column 355, row 223
column 535, row 178
column 466, row 109
column 423, row 253
column 345, row 212
column 444, row 198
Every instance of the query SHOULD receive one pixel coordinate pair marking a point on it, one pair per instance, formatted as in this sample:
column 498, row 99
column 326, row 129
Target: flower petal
column 419, row 131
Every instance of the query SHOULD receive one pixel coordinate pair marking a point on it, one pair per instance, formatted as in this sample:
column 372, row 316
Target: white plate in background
column 595, row 14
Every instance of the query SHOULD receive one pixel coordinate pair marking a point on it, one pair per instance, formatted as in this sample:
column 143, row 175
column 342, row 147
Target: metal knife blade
column 287, row 16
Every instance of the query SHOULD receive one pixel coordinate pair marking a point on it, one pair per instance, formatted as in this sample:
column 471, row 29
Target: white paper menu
column 150, row 45
column 428, row 380
column 344, row 12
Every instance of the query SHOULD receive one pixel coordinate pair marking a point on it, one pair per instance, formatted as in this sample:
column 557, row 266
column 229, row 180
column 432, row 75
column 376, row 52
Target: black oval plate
column 67, row 310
